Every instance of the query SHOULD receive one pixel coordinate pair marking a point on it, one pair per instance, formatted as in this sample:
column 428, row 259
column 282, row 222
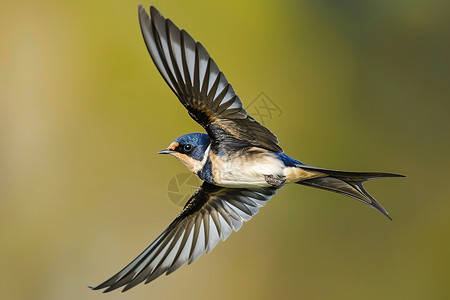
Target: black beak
column 165, row 151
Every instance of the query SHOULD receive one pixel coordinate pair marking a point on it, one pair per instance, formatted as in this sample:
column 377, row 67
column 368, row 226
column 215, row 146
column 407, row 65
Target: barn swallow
column 238, row 159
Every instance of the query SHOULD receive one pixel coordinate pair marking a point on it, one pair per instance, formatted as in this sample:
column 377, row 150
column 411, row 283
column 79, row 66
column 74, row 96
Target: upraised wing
column 199, row 84
column 210, row 215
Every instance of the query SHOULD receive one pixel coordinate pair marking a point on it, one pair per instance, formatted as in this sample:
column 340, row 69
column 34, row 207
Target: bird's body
column 239, row 160
column 248, row 167
column 242, row 168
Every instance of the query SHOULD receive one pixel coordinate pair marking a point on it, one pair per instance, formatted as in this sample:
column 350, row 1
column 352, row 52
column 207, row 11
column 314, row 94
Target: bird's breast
column 246, row 168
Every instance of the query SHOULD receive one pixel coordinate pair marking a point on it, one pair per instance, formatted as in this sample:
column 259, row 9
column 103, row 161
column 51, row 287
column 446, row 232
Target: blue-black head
column 190, row 150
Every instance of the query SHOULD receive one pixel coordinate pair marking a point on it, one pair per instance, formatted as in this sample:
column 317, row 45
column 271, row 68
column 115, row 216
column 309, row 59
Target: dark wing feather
column 210, row 215
column 198, row 82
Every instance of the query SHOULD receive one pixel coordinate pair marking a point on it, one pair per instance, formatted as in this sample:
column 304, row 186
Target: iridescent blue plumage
column 288, row 161
column 199, row 141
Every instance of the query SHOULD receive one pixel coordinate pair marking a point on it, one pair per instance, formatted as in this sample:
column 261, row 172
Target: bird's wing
column 199, row 84
column 210, row 215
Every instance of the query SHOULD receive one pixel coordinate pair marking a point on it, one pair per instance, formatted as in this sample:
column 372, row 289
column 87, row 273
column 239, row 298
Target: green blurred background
column 363, row 86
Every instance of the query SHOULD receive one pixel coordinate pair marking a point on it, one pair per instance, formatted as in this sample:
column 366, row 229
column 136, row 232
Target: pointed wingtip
column 389, row 217
column 104, row 285
column 399, row 175
column 377, row 206
column 95, row 288
column 154, row 12
column 142, row 10
column 381, row 210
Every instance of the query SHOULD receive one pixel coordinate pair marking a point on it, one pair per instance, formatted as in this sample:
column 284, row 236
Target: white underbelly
column 241, row 172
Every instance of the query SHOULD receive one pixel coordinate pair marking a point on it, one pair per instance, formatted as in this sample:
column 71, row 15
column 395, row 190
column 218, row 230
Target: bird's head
column 190, row 149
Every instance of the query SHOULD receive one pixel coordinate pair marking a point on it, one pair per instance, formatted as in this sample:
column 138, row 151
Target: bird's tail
column 347, row 183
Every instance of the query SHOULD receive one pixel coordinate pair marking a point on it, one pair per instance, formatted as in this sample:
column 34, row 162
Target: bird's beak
column 170, row 149
column 165, row 151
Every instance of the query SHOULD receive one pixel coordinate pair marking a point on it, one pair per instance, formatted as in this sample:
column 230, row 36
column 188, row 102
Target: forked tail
column 347, row 183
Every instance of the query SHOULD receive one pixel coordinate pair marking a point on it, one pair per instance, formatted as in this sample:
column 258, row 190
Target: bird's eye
column 187, row 148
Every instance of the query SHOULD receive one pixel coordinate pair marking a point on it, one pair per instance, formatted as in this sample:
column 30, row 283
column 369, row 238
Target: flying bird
column 238, row 159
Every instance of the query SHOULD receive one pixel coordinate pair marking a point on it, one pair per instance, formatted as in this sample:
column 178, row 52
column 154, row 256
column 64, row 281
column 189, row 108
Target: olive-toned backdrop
column 357, row 85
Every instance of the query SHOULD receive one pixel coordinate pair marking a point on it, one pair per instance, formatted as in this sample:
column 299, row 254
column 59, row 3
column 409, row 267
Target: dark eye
column 187, row 148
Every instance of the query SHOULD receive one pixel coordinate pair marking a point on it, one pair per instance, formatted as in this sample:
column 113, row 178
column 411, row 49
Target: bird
column 238, row 159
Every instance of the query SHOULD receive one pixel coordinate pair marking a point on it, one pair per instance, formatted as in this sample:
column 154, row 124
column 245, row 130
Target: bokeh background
column 363, row 85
